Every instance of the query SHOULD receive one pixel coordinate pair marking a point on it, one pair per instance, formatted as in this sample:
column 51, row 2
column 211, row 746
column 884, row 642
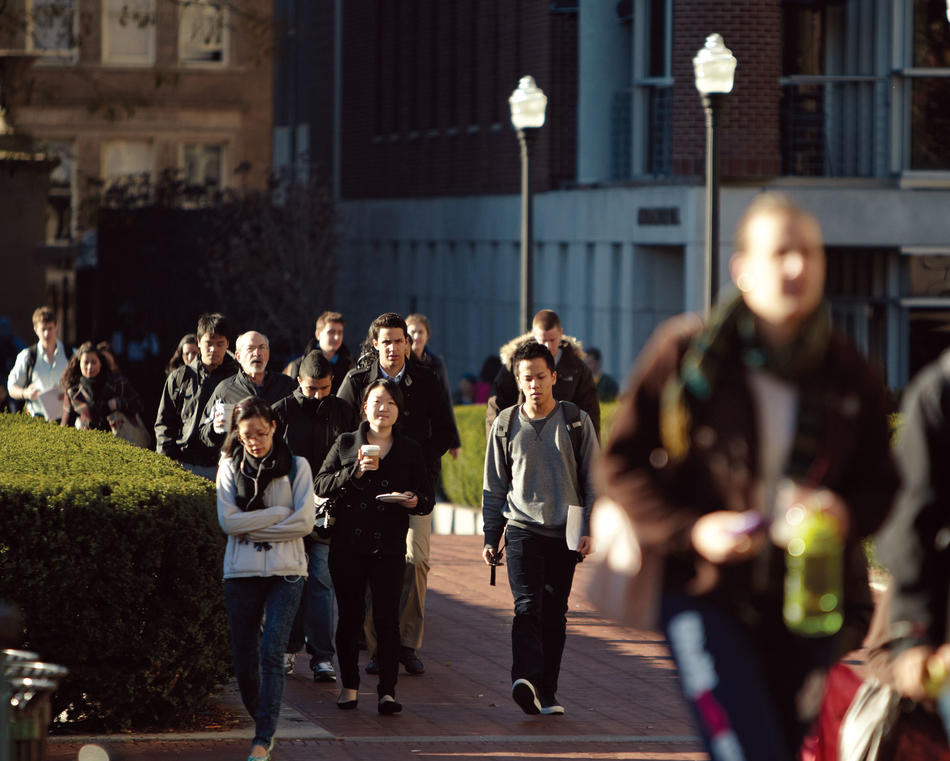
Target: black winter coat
column 427, row 412
column 363, row 523
column 232, row 390
column 187, row 390
column 310, row 426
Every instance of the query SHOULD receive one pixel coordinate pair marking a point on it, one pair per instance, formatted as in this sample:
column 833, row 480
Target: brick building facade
column 118, row 89
column 424, row 103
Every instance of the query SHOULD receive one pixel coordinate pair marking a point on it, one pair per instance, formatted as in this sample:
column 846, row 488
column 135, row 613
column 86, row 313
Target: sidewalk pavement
column 618, row 687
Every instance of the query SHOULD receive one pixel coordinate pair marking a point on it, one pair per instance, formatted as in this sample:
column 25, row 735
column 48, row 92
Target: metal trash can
column 29, row 685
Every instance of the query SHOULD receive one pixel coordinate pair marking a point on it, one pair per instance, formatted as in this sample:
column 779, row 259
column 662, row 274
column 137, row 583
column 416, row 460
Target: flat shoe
column 388, row 706
column 347, row 705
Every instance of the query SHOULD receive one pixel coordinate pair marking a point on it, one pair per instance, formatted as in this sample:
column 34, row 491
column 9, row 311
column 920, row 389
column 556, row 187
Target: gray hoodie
column 532, row 483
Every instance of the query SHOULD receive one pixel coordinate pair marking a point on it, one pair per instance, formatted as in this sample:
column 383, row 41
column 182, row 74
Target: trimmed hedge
column 462, row 478
column 113, row 553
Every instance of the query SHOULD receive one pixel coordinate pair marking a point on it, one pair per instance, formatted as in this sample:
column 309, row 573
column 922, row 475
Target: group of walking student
column 733, row 434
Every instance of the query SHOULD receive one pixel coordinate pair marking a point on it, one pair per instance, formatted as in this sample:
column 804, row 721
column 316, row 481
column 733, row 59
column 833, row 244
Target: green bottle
column 813, row 574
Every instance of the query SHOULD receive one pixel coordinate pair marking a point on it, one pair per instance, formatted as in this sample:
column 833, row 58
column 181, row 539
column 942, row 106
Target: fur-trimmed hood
column 507, row 351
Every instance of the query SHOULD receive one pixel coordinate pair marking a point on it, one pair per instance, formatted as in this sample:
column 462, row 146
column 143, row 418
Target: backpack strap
column 31, row 362
column 502, row 426
column 575, row 428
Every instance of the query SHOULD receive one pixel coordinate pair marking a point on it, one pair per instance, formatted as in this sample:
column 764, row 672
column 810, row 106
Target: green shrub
column 114, row 555
column 462, row 478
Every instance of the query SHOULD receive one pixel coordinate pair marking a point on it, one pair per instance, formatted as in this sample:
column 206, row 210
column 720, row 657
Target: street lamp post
column 528, row 104
column 714, row 67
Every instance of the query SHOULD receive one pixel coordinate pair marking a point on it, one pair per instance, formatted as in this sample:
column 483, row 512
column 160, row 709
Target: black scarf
column 91, row 388
column 253, row 475
column 731, row 340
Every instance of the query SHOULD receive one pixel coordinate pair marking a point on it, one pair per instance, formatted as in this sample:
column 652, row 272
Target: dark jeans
column 259, row 657
column 754, row 693
column 540, row 573
column 351, row 573
column 314, row 621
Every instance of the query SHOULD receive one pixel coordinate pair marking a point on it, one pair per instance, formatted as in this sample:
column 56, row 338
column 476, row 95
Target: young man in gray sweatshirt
column 531, row 476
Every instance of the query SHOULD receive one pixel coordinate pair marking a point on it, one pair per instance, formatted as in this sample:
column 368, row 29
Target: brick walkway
column 617, row 685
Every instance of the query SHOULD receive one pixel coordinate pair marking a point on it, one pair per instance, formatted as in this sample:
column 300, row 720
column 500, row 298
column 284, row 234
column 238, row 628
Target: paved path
column 617, row 685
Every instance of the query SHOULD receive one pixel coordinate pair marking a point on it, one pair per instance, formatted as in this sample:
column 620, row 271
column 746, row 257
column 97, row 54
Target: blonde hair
column 770, row 203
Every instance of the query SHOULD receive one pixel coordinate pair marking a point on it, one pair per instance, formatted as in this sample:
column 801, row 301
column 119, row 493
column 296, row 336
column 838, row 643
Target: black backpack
column 575, row 428
column 17, row 405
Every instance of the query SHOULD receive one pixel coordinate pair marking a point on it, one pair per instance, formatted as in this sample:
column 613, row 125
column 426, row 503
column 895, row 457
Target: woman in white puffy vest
column 265, row 506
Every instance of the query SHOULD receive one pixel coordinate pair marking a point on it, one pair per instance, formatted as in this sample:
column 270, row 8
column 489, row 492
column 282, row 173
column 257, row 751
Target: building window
column 51, row 29
column 127, row 162
column 203, row 34
column 128, row 32
column 202, row 164
column 835, row 89
column 641, row 139
column 928, row 113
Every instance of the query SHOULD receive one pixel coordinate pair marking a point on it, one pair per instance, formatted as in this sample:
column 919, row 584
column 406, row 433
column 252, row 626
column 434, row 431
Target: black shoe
column 372, row 667
column 550, row 705
column 412, row 662
column 524, row 695
column 387, row 705
column 347, row 700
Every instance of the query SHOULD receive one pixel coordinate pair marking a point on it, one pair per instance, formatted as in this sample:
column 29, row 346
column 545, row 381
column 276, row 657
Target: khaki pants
column 412, row 601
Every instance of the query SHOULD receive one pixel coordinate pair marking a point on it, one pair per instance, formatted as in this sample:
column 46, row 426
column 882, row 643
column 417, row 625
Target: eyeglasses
column 256, row 437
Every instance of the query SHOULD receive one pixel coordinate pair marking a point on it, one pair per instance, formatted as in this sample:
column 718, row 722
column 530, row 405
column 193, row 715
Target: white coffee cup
column 369, row 450
column 224, row 410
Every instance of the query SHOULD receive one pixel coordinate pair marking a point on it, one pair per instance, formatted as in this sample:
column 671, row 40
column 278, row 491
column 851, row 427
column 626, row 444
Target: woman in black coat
column 373, row 494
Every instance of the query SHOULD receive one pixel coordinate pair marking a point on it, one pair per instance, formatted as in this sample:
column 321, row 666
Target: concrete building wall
column 457, row 260
column 600, row 263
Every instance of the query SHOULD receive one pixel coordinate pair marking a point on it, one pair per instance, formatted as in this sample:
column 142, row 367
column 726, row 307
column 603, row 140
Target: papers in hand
column 51, row 402
column 575, row 525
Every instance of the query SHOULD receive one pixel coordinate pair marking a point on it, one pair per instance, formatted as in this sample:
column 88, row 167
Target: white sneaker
column 323, row 672
column 551, row 708
column 289, row 660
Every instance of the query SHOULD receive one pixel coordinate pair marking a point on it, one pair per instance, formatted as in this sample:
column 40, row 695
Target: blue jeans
column 540, row 573
column 314, row 621
column 753, row 691
column 259, row 658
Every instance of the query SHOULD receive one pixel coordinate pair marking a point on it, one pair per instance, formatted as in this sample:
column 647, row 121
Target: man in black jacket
column 427, row 418
column 328, row 338
column 252, row 351
column 575, row 383
column 186, row 393
column 310, row 420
